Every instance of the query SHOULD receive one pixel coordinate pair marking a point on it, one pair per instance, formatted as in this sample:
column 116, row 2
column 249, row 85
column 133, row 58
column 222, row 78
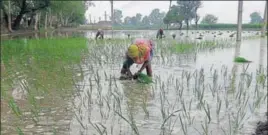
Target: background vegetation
column 33, row 15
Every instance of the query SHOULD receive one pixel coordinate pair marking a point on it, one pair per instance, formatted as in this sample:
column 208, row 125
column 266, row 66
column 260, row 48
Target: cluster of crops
column 71, row 86
column 230, row 26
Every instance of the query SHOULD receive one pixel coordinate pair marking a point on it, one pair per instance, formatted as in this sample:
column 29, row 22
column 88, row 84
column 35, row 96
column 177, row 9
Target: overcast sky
column 226, row 11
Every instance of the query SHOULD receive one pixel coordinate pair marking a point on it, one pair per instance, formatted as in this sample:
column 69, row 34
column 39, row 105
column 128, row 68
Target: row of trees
column 154, row 18
column 47, row 13
column 255, row 18
column 184, row 12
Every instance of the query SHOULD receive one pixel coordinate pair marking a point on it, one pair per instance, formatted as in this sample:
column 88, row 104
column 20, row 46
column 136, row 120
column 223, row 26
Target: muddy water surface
column 99, row 103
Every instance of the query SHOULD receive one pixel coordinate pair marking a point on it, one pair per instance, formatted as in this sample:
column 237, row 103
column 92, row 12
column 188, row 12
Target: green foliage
column 43, row 49
column 69, row 12
column 188, row 9
column 255, row 17
column 127, row 20
column 138, row 17
column 145, row 21
column 19, row 131
column 154, row 19
column 16, row 110
column 209, row 19
column 182, row 47
column 43, row 61
column 143, row 78
column 42, row 68
column 173, row 16
column 57, row 13
column 241, row 60
column 117, row 16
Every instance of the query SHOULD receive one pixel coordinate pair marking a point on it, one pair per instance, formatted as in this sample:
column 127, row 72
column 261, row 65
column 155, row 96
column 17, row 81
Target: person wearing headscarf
column 140, row 52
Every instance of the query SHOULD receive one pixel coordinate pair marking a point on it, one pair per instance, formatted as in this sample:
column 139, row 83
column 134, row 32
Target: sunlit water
column 95, row 107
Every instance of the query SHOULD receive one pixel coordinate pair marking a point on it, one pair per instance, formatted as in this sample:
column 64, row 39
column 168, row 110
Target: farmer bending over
column 100, row 34
column 160, row 34
column 140, row 52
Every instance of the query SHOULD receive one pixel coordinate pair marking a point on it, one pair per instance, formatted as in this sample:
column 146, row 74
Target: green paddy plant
column 145, row 109
column 200, row 96
column 218, row 109
column 207, row 111
column 79, row 120
column 238, row 118
column 241, row 60
column 15, row 108
column 261, row 79
column 19, row 131
column 100, row 128
column 248, row 79
column 188, row 77
column 205, row 127
column 165, row 120
column 131, row 122
column 257, row 102
column 214, row 86
column 162, row 103
column 183, row 126
column 186, row 112
column 117, row 103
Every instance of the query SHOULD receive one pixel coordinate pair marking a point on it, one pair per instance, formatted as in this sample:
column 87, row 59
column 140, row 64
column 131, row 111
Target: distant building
column 99, row 25
column 104, row 23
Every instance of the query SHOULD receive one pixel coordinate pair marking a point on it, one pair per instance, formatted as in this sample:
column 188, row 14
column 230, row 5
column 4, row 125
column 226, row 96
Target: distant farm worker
column 160, row 34
column 174, row 36
column 140, row 52
column 99, row 34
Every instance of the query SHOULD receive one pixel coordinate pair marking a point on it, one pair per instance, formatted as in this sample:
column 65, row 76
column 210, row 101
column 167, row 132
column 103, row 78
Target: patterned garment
column 145, row 49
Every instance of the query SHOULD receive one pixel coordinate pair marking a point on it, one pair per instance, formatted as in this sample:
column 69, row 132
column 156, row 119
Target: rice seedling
column 16, row 110
column 183, row 126
column 241, row 60
column 19, row 131
column 131, row 123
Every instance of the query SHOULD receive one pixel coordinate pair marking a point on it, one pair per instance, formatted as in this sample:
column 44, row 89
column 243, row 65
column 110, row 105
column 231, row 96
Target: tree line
column 17, row 14
column 155, row 18
column 182, row 13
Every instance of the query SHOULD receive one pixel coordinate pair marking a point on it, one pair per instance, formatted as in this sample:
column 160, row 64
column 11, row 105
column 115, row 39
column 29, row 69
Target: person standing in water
column 160, row 34
column 140, row 52
column 100, row 34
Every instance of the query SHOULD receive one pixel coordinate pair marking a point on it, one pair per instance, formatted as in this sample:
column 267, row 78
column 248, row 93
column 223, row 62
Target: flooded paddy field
column 69, row 85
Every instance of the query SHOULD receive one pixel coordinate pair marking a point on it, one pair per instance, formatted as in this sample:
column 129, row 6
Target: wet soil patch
column 262, row 128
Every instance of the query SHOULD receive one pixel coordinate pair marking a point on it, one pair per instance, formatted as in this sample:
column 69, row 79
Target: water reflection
column 138, row 97
column 263, row 45
column 39, row 88
column 235, row 67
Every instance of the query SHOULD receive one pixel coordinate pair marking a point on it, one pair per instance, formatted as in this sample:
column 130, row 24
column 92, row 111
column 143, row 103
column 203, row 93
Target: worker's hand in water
column 135, row 76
